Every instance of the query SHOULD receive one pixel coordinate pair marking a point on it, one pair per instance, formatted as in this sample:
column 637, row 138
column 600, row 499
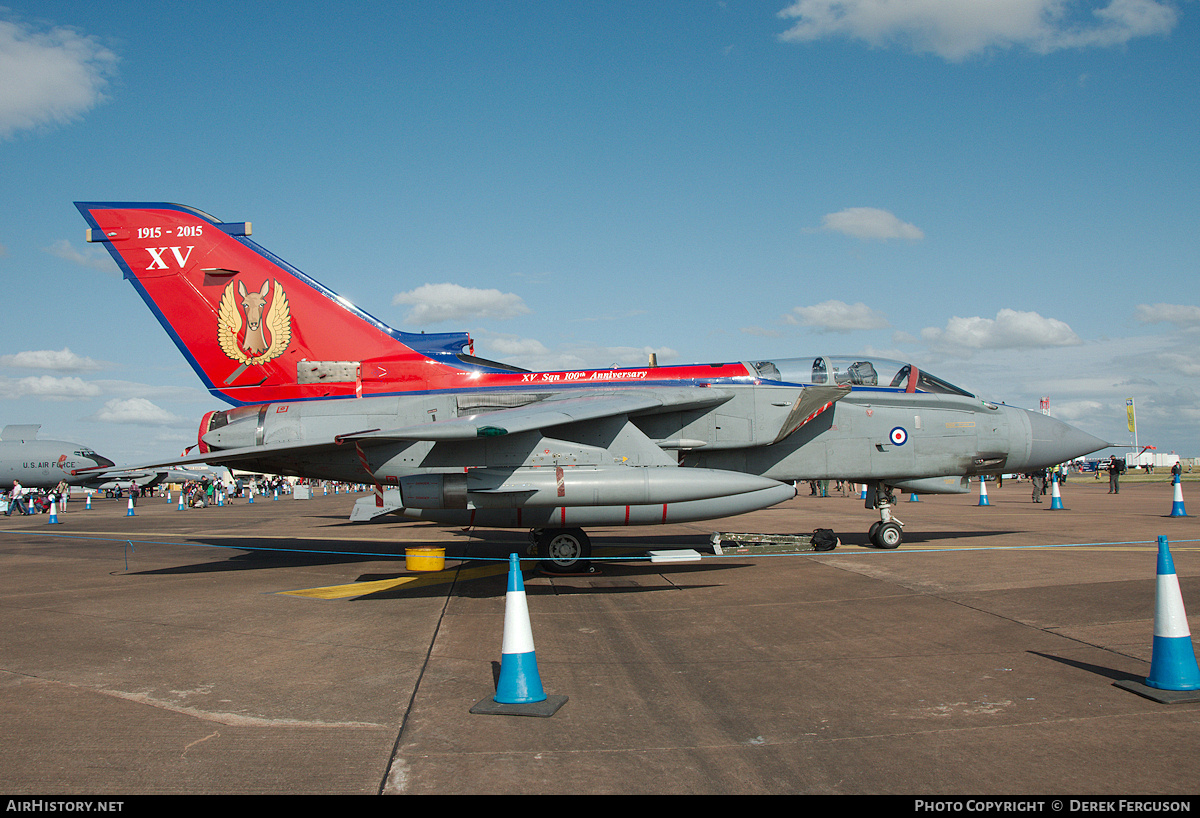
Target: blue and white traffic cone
column 129, row 512
column 220, row 498
column 983, row 498
column 912, row 498
column 87, row 504
column 1055, row 497
column 519, row 680
column 53, row 514
column 519, row 688
column 1173, row 661
column 1177, row 509
column 168, row 495
column 181, row 501
column 863, row 496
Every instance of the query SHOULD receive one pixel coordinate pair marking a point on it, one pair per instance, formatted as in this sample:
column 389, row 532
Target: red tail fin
column 252, row 326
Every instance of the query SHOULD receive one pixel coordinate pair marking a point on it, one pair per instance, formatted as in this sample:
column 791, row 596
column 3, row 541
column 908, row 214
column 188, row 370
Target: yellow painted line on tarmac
column 354, row 589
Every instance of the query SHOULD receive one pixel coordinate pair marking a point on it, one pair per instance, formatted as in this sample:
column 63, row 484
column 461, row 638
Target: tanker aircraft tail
column 253, row 327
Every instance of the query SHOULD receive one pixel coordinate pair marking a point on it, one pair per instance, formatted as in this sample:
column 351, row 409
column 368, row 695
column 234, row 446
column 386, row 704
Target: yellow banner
column 1129, row 412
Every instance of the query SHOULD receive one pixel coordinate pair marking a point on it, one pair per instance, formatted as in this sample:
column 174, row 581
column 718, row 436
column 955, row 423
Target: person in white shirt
column 15, row 499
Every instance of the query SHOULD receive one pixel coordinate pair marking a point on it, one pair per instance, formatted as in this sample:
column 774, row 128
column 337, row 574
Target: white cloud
column 762, row 332
column 837, row 316
column 956, row 29
column 135, row 411
column 50, row 77
column 1181, row 315
column 432, row 303
column 1073, row 411
column 1118, row 23
column 1164, row 364
column 532, row 354
column 48, row 387
column 628, row 356
column 1010, row 329
column 62, row 360
column 503, row 347
column 870, row 223
column 95, row 259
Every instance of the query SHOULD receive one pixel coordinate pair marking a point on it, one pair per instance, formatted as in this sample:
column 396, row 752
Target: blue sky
column 1004, row 193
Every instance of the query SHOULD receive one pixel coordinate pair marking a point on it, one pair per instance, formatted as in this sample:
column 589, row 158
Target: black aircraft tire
column 564, row 550
column 888, row 536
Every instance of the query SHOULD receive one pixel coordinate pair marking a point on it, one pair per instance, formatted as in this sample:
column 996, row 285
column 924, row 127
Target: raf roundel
column 898, row 436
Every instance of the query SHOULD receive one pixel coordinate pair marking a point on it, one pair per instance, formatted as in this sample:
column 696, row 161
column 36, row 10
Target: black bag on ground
column 823, row 539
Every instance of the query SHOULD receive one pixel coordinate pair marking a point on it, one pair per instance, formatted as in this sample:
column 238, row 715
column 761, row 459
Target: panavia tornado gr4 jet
column 323, row 390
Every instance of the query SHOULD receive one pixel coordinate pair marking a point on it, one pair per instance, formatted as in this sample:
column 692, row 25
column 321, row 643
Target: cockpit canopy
column 836, row 370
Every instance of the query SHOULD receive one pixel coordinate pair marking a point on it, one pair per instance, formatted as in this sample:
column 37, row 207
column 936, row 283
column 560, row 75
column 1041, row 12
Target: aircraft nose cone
column 1052, row 441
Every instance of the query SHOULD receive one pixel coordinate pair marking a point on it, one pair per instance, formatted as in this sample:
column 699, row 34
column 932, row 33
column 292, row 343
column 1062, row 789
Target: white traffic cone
column 519, row 690
column 983, row 498
column 1174, row 675
column 519, row 680
column 1055, row 497
column 1177, row 509
column 87, row 505
column 1173, row 661
column 129, row 512
column 53, row 514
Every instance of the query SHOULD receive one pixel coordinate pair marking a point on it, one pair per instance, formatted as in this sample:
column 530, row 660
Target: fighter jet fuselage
column 455, row 459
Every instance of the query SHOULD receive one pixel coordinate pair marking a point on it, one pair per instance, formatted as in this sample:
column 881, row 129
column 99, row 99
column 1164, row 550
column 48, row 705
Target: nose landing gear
column 888, row 533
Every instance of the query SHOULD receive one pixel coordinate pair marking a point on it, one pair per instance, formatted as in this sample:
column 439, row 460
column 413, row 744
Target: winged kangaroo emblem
column 267, row 323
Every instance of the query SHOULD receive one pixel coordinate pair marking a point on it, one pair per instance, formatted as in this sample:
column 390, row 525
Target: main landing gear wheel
column 564, row 551
column 887, row 535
